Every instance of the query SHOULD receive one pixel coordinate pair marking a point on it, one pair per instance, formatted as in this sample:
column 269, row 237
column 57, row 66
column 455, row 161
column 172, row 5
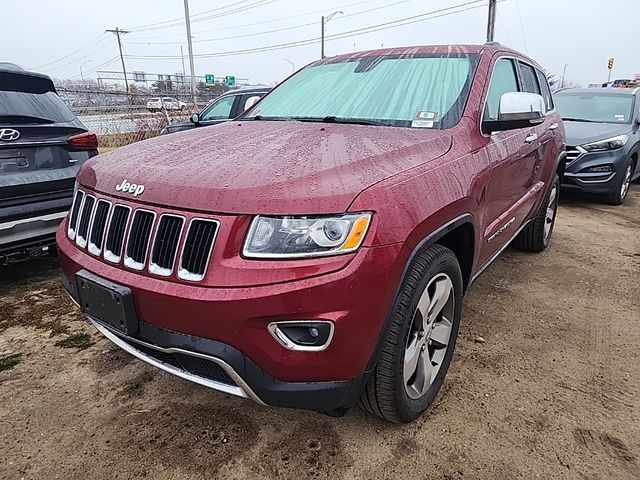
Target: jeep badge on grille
column 126, row 187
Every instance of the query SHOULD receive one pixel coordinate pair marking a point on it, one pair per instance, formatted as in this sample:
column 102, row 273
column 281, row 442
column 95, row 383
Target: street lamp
column 293, row 65
column 323, row 22
column 81, row 73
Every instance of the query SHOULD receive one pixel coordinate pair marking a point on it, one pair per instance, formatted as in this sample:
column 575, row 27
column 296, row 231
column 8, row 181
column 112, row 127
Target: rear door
column 513, row 155
column 37, row 165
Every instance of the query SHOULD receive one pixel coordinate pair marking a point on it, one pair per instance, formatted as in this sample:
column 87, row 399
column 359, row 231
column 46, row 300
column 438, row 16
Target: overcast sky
column 49, row 36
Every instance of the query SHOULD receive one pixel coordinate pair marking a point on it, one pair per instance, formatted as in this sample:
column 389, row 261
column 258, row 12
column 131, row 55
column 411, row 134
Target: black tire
column 385, row 395
column 619, row 195
column 532, row 238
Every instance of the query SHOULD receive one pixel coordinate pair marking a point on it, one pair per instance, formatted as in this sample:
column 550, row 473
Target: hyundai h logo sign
column 9, row 134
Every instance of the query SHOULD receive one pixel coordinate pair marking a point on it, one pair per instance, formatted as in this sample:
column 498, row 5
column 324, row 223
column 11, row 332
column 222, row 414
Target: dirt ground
column 544, row 384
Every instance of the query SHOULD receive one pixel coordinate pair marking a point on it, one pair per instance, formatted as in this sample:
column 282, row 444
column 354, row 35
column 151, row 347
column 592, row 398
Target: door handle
column 531, row 138
column 553, row 126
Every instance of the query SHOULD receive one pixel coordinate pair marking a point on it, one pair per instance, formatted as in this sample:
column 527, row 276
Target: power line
column 360, row 31
column 99, row 46
column 262, row 22
column 70, row 54
column 95, row 69
column 259, row 3
column 181, row 19
column 524, row 40
column 293, row 27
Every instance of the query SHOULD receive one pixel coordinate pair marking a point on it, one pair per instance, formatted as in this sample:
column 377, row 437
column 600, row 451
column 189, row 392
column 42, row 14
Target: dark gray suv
column 603, row 138
column 42, row 145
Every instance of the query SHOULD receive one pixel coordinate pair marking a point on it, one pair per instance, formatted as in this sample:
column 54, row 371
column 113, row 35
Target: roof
column 451, row 49
column 602, row 90
column 247, row 90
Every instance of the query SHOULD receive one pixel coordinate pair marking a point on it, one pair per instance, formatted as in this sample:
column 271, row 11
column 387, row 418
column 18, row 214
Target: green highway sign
column 209, row 79
column 230, row 80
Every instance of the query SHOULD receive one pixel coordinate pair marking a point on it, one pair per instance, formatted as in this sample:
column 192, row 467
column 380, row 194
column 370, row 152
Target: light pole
column 293, row 65
column 491, row 20
column 323, row 22
column 187, row 21
column 564, row 71
column 81, row 73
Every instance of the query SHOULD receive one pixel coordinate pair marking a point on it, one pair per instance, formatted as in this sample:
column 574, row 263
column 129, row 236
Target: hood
column 262, row 167
column 579, row 133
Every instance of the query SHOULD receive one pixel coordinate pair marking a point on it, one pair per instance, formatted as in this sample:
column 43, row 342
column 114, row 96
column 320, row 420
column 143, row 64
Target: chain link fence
column 119, row 119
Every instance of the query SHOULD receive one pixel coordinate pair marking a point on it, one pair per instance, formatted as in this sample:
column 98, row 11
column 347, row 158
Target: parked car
column 42, row 145
column 165, row 103
column 314, row 253
column 227, row 106
column 603, row 134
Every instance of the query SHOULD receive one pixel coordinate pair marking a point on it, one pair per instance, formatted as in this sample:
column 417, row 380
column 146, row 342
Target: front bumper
column 228, row 327
column 577, row 176
column 223, row 368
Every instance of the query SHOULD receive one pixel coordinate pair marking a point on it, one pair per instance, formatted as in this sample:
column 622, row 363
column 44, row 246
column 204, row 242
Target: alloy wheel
column 428, row 339
column 550, row 215
column 624, row 189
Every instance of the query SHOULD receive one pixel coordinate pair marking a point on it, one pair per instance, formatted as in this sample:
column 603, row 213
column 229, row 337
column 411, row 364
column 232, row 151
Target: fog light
column 600, row 169
column 307, row 336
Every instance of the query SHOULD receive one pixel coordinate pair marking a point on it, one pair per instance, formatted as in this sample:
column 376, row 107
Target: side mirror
column 516, row 110
column 195, row 118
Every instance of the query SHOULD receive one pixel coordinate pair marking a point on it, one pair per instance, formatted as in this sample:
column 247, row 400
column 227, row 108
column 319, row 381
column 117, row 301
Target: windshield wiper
column 569, row 119
column 355, row 121
column 24, row 119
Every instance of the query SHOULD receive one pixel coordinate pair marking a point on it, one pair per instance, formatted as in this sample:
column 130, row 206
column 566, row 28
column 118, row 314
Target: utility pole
column 187, row 21
column 564, row 71
column 117, row 33
column 323, row 21
column 182, row 57
column 491, row 20
column 322, row 37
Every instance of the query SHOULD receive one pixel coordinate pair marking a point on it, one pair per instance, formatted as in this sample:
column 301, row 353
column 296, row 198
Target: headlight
column 294, row 237
column 608, row 144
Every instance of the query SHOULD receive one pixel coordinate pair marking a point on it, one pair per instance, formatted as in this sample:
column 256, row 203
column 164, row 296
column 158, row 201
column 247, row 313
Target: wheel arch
column 459, row 236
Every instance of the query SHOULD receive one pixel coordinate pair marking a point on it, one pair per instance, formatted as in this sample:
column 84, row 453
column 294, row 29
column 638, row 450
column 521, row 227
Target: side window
column 503, row 80
column 219, row 109
column 529, row 79
column 546, row 91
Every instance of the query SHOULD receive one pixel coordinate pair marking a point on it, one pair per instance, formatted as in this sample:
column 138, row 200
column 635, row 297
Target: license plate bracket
column 107, row 302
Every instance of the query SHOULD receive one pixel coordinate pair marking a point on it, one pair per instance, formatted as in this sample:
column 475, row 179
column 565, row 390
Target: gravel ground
column 544, row 384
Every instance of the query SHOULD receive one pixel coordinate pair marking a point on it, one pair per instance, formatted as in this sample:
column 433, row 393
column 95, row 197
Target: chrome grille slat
column 572, row 154
column 75, row 213
column 165, row 245
column 82, row 232
column 115, row 233
column 100, row 217
column 197, row 247
column 138, row 240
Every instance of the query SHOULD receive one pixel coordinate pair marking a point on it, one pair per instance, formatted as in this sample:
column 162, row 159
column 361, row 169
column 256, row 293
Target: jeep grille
column 141, row 239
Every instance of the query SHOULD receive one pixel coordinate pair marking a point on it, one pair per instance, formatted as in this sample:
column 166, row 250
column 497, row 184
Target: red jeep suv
column 314, row 252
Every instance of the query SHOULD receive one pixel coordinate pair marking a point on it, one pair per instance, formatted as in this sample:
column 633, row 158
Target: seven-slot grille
column 139, row 239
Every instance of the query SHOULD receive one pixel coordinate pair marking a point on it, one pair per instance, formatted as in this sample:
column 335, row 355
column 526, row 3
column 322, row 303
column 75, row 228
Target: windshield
column 596, row 107
column 406, row 91
column 33, row 108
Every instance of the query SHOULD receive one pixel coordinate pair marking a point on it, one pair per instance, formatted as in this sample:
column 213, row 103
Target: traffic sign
column 209, row 79
column 230, row 80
